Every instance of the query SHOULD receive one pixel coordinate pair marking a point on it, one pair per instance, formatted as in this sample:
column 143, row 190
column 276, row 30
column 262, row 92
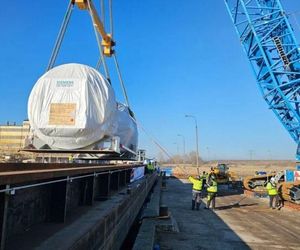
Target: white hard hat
column 272, row 179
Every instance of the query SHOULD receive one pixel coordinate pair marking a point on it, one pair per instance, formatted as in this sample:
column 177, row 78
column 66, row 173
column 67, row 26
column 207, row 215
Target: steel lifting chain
column 60, row 36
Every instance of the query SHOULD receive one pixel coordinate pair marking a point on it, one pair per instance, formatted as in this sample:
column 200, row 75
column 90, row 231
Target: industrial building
column 12, row 136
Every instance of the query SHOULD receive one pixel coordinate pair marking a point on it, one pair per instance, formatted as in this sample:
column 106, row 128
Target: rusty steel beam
column 7, row 167
column 25, row 174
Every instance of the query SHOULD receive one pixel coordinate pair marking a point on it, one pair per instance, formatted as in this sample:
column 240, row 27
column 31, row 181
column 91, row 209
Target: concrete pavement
column 250, row 226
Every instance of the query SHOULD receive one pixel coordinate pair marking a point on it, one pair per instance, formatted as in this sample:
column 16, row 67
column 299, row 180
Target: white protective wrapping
column 127, row 129
column 82, row 104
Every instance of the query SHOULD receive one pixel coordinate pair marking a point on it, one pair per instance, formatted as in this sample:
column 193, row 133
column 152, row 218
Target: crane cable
column 153, row 140
column 101, row 59
column 111, row 18
column 60, row 36
column 111, row 28
column 99, row 45
column 98, row 64
column 102, row 8
column 102, row 19
column 57, row 47
column 121, row 80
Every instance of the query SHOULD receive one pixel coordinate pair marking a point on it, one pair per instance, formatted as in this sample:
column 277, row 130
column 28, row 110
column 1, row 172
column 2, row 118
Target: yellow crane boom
column 107, row 41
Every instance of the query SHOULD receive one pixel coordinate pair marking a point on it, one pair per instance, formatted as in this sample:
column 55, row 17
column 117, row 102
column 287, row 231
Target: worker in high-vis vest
column 273, row 193
column 204, row 178
column 196, row 192
column 71, row 159
column 150, row 168
column 212, row 189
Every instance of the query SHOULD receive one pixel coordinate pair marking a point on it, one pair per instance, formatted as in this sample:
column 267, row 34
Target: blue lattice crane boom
column 271, row 47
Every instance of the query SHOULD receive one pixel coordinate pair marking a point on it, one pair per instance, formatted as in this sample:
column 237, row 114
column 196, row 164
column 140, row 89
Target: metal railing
column 12, row 190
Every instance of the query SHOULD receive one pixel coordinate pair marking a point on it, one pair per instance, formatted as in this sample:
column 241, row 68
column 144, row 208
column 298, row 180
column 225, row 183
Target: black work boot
column 193, row 204
column 197, row 205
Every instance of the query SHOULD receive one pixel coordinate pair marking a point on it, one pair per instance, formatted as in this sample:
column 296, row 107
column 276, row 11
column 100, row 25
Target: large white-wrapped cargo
column 127, row 129
column 72, row 106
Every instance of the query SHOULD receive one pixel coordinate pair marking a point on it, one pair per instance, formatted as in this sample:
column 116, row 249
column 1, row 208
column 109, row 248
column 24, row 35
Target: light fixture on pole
column 197, row 149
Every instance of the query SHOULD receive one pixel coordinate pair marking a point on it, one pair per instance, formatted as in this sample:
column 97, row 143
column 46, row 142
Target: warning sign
column 62, row 114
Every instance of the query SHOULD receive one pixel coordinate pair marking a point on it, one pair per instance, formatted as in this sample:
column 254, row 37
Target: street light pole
column 196, row 127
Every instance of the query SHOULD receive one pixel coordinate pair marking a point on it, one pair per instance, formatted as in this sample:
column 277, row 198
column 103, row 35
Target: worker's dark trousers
column 211, row 198
column 196, row 199
column 280, row 201
column 203, row 192
column 272, row 198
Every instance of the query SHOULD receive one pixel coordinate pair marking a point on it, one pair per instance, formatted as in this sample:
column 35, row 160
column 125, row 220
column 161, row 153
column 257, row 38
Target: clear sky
column 177, row 57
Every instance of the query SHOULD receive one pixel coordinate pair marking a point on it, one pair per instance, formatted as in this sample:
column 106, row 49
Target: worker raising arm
column 196, row 192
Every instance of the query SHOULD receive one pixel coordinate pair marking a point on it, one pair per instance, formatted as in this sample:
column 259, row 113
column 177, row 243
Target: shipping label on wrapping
column 62, row 114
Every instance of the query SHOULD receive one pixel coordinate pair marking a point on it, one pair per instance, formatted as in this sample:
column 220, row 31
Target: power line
column 154, row 141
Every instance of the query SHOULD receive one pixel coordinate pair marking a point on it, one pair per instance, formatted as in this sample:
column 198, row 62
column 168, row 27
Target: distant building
column 12, row 136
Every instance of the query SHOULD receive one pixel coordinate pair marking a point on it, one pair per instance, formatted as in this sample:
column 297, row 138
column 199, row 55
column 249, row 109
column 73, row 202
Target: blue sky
column 177, row 58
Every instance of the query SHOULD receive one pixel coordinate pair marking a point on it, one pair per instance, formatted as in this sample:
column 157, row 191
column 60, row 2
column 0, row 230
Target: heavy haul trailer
column 72, row 107
column 273, row 52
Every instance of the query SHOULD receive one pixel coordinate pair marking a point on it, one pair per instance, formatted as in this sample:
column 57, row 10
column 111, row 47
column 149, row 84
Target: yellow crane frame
column 107, row 41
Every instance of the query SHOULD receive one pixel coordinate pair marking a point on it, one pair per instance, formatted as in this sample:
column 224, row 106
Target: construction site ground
column 247, row 225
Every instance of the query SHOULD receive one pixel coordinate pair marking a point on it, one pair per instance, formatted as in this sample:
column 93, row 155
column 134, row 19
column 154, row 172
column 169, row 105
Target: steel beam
column 4, row 199
column 102, row 187
column 114, row 184
column 58, row 204
column 28, row 175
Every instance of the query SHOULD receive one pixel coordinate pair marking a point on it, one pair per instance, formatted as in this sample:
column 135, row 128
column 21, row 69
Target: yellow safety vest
column 197, row 184
column 213, row 188
column 271, row 189
column 204, row 177
column 150, row 166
